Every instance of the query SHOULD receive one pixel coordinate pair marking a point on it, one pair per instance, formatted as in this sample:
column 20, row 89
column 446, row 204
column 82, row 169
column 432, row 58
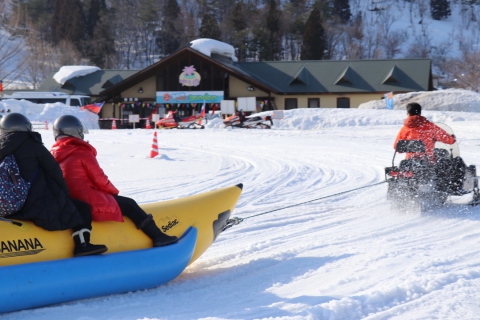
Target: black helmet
column 68, row 125
column 15, row 122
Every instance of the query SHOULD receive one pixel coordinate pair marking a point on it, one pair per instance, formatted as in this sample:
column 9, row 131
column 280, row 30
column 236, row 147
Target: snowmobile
column 239, row 120
column 172, row 120
column 417, row 185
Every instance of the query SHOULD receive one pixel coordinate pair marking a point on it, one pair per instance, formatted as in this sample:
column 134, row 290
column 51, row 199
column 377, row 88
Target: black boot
column 159, row 238
column 83, row 247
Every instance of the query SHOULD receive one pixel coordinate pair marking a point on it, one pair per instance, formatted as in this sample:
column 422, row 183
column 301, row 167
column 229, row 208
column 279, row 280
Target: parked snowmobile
column 239, row 120
column 417, row 184
column 173, row 121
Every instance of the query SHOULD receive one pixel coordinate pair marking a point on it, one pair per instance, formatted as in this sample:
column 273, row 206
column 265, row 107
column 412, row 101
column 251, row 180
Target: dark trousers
column 131, row 209
column 86, row 214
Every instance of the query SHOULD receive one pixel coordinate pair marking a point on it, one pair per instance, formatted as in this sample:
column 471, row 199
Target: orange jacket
column 419, row 128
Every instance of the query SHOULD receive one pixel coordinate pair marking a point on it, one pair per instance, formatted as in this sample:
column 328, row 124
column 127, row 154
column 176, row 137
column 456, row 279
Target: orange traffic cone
column 114, row 124
column 154, row 151
column 148, row 126
column 46, row 125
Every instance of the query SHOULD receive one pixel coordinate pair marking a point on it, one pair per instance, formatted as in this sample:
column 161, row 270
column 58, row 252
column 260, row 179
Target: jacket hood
column 65, row 146
column 415, row 121
column 11, row 141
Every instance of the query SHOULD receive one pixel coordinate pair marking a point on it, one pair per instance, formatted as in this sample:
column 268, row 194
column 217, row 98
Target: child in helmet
column 48, row 203
column 87, row 181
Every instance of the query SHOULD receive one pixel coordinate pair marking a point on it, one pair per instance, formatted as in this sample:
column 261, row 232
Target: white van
column 50, row 97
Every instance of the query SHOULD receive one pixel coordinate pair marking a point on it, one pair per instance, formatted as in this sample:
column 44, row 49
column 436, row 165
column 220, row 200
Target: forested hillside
column 39, row 36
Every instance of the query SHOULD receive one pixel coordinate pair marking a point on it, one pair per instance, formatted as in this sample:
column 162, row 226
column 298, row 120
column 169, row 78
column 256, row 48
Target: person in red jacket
column 450, row 172
column 87, row 181
column 417, row 127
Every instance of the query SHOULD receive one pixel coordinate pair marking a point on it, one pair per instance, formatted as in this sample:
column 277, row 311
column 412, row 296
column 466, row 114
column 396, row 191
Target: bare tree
column 465, row 71
column 126, row 35
column 12, row 56
column 372, row 39
column 421, row 46
column 440, row 54
column 392, row 44
column 352, row 40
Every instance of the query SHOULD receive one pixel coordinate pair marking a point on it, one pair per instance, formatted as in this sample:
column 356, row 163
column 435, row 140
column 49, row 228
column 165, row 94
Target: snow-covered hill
column 382, row 21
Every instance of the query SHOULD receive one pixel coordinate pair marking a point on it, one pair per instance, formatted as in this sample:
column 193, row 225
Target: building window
column 290, row 103
column 313, row 102
column 343, row 102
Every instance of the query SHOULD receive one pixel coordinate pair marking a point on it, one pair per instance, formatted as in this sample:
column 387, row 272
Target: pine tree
column 96, row 9
column 68, row 23
column 325, row 7
column 240, row 32
column 313, row 45
column 440, row 9
column 170, row 36
column 272, row 46
column 209, row 28
column 100, row 42
column 39, row 14
column 341, row 9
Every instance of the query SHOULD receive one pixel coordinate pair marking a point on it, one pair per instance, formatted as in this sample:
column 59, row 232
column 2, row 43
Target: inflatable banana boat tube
column 40, row 284
column 25, row 247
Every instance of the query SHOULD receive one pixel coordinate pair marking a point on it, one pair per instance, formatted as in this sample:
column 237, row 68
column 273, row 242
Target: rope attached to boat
column 236, row 220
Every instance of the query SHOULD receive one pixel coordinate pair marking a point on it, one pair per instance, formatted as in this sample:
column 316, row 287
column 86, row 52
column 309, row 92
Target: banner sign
column 189, row 96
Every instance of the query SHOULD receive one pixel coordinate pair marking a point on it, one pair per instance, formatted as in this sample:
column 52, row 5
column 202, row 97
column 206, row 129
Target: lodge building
column 188, row 78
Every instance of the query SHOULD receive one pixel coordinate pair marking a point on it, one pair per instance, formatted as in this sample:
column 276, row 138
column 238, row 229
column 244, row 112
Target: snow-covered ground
column 344, row 257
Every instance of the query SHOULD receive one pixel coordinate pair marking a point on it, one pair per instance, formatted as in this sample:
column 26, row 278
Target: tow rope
column 236, row 220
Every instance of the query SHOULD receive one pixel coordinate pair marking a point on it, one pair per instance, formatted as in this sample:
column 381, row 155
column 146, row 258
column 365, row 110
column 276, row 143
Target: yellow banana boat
column 207, row 213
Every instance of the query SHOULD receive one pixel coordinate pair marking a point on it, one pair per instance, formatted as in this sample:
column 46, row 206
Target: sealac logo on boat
column 15, row 248
column 169, row 223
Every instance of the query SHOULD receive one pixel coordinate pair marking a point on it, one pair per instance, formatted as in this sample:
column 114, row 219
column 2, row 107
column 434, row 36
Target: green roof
column 91, row 84
column 327, row 76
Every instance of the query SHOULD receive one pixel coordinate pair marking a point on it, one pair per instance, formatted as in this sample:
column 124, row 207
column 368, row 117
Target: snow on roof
column 209, row 46
column 68, row 72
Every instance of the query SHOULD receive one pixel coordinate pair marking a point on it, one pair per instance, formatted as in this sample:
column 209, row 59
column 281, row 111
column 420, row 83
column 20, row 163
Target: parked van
column 50, row 97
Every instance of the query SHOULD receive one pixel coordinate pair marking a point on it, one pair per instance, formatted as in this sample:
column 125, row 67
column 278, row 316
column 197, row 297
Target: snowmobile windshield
column 443, row 148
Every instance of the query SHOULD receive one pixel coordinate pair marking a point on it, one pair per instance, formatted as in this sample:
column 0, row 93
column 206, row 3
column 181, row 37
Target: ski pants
column 131, row 209
column 86, row 214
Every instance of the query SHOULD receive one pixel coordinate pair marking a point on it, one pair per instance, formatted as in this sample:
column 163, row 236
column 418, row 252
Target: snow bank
column 437, row 105
column 441, row 100
column 317, row 119
column 39, row 113
column 209, row 46
column 68, row 72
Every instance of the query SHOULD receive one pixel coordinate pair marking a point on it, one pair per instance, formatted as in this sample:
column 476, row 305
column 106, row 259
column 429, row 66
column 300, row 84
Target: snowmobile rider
column 88, row 182
column 48, row 203
column 416, row 127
